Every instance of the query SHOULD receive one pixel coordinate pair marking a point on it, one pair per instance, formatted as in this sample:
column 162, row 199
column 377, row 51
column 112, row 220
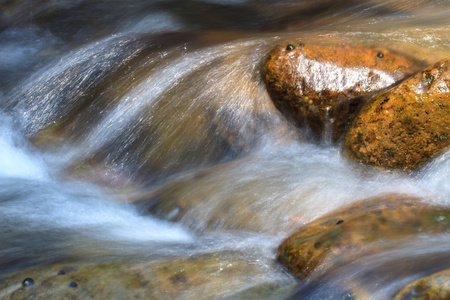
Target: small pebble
column 73, row 284
column 340, row 222
column 27, row 282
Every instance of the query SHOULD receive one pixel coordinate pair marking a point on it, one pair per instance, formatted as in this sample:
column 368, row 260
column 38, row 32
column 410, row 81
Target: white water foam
column 436, row 177
column 78, row 207
column 15, row 159
column 33, row 204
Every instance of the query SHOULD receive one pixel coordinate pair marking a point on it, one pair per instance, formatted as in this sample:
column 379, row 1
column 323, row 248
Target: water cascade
column 142, row 155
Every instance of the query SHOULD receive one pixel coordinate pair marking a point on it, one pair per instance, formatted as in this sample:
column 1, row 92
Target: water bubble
column 28, row 282
column 290, row 47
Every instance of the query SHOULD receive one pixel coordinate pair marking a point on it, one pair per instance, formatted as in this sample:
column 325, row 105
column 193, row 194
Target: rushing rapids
column 143, row 156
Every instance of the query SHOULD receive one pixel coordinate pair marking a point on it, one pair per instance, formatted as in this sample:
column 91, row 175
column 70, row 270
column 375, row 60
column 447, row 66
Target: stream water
column 106, row 103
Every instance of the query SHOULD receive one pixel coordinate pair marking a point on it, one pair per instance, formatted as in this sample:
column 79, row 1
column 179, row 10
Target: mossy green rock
column 407, row 125
column 366, row 227
column 435, row 286
column 316, row 85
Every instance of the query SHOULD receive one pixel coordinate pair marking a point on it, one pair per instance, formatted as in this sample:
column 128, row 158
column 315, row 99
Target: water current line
column 56, row 89
column 146, row 93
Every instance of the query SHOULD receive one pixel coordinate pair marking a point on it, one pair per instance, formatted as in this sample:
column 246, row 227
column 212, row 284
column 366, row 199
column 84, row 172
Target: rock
column 407, row 125
column 366, row 227
column 200, row 202
column 143, row 119
column 239, row 195
column 316, row 85
column 205, row 276
column 435, row 286
column 268, row 290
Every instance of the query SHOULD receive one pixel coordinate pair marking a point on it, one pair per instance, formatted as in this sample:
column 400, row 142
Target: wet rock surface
column 407, row 125
column 207, row 207
column 435, row 286
column 205, row 276
column 367, row 227
column 321, row 85
column 175, row 126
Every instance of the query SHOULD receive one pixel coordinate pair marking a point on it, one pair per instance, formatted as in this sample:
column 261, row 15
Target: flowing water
column 163, row 103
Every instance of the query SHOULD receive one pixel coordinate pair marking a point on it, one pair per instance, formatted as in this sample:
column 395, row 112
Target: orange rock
column 313, row 85
column 406, row 125
column 357, row 230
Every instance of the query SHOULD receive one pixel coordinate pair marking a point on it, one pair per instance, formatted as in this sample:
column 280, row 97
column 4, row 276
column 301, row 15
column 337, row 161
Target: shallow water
column 164, row 103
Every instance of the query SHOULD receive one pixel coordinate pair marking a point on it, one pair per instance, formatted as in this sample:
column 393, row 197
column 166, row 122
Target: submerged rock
column 165, row 104
column 407, row 125
column 206, row 276
column 317, row 85
column 239, row 195
column 363, row 228
column 435, row 286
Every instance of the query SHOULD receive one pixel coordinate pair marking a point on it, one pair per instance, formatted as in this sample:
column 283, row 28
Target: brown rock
column 435, row 286
column 406, row 125
column 206, row 276
column 316, row 85
column 356, row 230
column 169, row 126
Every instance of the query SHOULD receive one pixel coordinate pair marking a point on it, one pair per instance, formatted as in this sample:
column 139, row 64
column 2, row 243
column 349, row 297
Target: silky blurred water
column 107, row 102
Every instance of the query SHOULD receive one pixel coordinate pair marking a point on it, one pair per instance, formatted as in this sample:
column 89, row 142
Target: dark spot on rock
column 382, row 219
column 179, row 278
column 317, row 245
column 384, row 102
column 290, row 47
column 27, row 282
column 416, row 224
column 340, row 222
column 380, row 55
column 426, row 112
column 67, row 269
column 73, row 284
